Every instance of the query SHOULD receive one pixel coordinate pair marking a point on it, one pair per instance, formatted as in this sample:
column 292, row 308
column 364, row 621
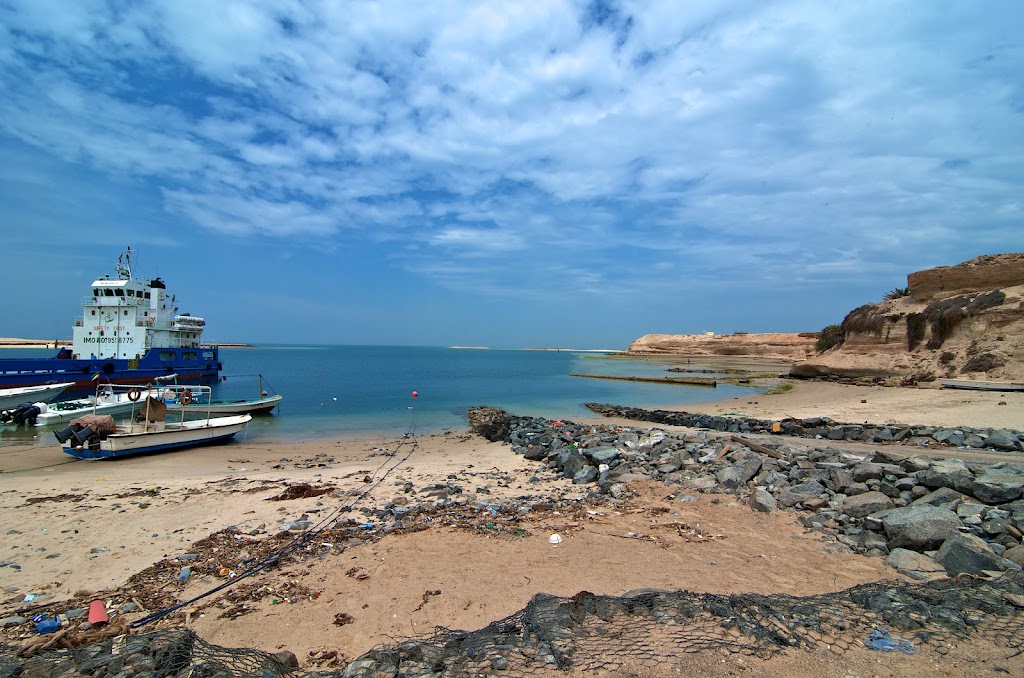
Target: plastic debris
column 881, row 641
column 185, row 572
column 555, row 539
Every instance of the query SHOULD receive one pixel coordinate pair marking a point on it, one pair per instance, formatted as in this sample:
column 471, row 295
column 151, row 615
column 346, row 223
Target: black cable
column 299, row 540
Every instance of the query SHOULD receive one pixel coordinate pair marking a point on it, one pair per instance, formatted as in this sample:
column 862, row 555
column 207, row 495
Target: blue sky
column 571, row 174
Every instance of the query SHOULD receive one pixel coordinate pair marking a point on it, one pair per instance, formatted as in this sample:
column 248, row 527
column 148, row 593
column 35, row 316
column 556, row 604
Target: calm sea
column 357, row 390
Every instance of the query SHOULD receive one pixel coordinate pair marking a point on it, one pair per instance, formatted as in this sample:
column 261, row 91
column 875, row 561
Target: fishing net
column 603, row 634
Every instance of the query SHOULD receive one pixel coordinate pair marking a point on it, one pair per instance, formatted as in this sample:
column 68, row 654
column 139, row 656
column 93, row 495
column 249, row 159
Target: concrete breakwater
column 927, row 517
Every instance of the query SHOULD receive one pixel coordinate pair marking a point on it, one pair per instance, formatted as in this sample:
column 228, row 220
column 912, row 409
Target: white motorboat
column 149, row 429
column 106, row 401
column 12, row 397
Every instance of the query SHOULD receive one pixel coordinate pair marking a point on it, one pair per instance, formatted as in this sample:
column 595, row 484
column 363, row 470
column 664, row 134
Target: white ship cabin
column 126, row 317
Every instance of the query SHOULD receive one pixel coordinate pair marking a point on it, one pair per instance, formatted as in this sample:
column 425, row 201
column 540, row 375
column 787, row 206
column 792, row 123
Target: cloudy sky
column 554, row 173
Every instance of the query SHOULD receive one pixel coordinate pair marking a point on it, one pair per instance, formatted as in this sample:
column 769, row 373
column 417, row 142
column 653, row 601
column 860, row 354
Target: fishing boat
column 108, row 399
column 12, row 397
column 148, row 430
column 263, row 404
column 979, row 385
column 130, row 332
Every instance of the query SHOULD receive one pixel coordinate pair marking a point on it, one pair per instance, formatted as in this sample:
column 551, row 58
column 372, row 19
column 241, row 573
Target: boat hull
column 16, row 396
column 84, row 373
column 184, row 435
column 258, row 406
column 974, row 385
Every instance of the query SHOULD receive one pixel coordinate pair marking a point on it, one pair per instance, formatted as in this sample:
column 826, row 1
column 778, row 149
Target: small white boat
column 106, row 401
column 201, row 405
column 979, row 385
column 254, row 406
column 148, row 430
column 12, row 397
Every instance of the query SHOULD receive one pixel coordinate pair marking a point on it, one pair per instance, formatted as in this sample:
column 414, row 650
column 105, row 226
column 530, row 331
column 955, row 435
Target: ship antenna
column 124, row 264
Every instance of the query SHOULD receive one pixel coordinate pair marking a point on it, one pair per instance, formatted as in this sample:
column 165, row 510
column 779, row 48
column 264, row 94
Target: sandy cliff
column 787, row 346
column 964, row 321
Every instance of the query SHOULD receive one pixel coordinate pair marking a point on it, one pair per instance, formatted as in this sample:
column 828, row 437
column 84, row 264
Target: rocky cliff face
column 962, row 321
column 786, row 346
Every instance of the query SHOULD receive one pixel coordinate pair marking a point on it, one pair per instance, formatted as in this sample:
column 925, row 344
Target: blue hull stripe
column 85, row 453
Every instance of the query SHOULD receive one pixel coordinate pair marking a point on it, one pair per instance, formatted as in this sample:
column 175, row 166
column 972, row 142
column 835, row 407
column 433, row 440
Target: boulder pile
column 825, row 428
column 926, row 517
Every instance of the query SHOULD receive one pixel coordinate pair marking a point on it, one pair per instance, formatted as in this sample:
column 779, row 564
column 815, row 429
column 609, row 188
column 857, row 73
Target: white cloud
column 484, row 131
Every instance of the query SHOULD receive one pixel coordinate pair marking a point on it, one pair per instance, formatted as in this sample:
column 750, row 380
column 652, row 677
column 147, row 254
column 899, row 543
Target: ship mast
column 124, row 264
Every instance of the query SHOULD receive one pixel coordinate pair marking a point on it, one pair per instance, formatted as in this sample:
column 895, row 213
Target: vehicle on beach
column 130, row 332
column 149, row 428
column 12, row 397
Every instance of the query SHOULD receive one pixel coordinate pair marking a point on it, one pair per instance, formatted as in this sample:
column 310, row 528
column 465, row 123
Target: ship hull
column 190, row 363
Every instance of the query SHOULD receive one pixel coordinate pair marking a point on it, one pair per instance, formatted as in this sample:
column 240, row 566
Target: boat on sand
column 149, row 429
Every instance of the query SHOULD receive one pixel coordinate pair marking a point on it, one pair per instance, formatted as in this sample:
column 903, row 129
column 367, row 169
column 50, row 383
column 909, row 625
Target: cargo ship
column 130, row 332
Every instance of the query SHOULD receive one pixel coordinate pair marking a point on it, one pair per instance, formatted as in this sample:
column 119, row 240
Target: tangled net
column 589, row 632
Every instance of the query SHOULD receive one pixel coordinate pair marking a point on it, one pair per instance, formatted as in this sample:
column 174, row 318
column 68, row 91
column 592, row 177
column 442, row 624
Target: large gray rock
column 763, row 501
column 944, row 497
column 737, row 475
column 865, row 504
column 1003, row 439
column 915, row 565
column 1016, row 555
column 920, row 528
column 967, row 553
column 795, row 494
column 603, row 455
column 998, row 486
column 952, row 473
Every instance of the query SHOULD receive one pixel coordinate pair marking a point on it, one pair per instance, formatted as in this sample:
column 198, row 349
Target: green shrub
column 897, row 293
column 829, row 338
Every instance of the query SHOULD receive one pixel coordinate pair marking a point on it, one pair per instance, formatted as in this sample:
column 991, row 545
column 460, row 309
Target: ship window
column 147, row 295
column 166, row 355
column 126, row 311
column 207, row 355
column 95, row 293
column 108, row 292
column 190, row 355
column 93, row 311
column 118, row 293
column 131, row 293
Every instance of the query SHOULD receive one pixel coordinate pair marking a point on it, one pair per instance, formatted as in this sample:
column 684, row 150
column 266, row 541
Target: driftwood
column 758, row 448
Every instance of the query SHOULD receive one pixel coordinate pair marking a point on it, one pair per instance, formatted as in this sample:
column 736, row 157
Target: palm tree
column 897, row 293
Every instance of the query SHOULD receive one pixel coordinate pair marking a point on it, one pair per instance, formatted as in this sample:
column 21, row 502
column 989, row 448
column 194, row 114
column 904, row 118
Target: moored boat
column 12, row 397
column 148, row 430
column 130, row 332
column 263, row 405
column 979, row 385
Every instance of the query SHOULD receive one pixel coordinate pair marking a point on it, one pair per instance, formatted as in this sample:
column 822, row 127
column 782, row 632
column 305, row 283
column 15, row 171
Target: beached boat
column 12, row 397
column 148, row 430
column 979, row 385
column 130, row 332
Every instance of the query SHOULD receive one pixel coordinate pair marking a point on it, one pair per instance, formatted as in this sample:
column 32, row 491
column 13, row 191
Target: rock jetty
column 926, row 517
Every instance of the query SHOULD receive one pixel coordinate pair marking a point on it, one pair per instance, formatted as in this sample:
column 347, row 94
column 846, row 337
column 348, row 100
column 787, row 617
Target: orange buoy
column 415, row 394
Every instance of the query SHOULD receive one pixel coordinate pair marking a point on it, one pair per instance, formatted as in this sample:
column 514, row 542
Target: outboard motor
column 82, row 437
column 65, row 434
column 25, row 412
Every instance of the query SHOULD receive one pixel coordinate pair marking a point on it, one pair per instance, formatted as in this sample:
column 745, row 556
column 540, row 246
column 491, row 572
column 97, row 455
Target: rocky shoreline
column 928, row 518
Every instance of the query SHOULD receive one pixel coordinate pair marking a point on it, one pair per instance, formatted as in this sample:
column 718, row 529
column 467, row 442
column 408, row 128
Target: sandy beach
column 77, row 530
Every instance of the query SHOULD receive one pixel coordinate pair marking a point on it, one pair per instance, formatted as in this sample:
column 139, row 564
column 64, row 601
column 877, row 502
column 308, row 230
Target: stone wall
column 989, row 272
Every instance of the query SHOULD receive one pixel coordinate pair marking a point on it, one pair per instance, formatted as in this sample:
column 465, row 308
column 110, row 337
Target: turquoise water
column 357, row 390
